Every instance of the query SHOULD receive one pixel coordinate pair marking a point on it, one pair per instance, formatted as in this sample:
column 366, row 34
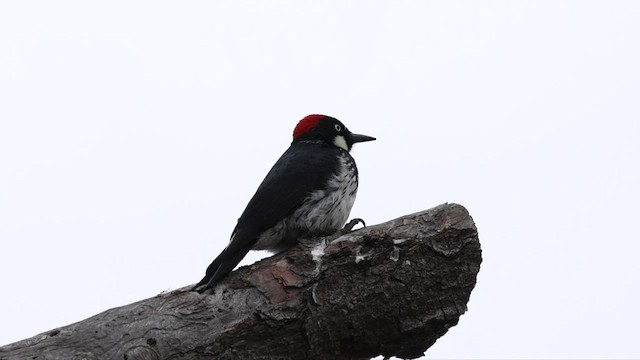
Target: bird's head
column 327, row 129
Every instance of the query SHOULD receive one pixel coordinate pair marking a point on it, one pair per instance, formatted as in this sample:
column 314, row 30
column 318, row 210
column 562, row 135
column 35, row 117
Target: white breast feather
column 322, row 212
column 334, row 203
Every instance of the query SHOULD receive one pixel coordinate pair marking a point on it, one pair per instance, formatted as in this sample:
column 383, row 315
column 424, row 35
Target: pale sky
column 132, row 135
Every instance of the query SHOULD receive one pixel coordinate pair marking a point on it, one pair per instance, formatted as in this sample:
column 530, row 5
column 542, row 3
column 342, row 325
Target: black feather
column 304, row 168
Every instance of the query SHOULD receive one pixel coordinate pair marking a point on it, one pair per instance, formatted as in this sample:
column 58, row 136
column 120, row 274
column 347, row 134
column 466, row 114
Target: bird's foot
column 346, row 229
column 351, row 224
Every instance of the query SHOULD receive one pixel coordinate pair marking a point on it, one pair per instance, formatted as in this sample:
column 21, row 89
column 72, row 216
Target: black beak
column 356, row 138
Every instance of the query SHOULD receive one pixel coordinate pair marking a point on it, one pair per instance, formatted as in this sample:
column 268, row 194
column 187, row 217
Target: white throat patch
column 340, row 142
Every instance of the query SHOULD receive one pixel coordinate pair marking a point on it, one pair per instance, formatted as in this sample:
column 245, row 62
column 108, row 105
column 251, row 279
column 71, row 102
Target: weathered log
column 391, row 289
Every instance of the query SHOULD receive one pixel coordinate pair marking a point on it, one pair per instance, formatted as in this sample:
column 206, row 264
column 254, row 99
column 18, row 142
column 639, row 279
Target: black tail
column 221, row 266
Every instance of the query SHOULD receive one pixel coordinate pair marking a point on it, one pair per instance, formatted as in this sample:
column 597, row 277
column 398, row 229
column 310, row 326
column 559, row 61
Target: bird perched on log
column 308, row 192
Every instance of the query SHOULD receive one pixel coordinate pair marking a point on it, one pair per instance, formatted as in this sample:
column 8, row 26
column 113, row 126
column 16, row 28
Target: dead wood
column 391, row 289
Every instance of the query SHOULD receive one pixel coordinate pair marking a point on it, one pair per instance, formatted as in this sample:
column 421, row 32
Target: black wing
column 303, row 168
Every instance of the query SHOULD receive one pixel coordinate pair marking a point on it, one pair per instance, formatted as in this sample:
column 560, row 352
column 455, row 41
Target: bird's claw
column 351, row 224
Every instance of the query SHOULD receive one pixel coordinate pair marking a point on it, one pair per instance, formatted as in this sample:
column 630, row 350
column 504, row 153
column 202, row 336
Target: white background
column 132, row 135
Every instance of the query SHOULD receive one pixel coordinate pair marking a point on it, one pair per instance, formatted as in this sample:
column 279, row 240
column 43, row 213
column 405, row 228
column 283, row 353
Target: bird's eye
column 338, row 127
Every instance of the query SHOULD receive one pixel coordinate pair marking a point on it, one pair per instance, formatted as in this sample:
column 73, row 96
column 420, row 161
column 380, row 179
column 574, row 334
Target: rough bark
column 390, row 289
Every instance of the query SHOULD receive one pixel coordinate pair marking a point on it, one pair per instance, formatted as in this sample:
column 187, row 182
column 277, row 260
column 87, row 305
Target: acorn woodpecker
column 308, row 192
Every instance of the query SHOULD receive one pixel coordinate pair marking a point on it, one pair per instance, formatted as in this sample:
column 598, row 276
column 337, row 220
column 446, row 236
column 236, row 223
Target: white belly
column 323, row 212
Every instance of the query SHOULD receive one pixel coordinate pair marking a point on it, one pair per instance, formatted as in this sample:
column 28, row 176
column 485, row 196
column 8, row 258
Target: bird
column 308, row 192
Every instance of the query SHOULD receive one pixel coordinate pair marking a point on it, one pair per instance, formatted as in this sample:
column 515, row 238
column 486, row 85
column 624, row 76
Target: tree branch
column 391, row 289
